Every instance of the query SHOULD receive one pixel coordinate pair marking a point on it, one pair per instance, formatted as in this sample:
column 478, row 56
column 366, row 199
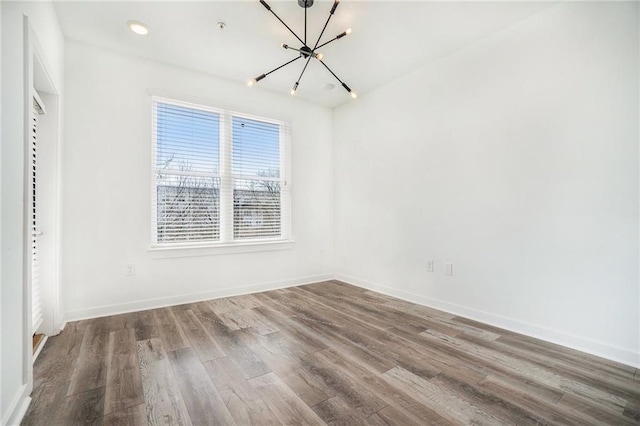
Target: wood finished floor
column 325, row 353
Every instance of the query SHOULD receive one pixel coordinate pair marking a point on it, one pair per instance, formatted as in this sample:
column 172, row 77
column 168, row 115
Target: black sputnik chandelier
column 305, row 51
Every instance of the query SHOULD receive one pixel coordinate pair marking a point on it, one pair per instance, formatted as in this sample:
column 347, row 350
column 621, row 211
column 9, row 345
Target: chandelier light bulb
column 138, row 27
column 319, row 56
column 348, row 31
column 354, row 95
column 295, row 87
column 251, row 82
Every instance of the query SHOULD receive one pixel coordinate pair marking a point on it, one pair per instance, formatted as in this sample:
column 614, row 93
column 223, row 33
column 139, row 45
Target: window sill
column 165, row 252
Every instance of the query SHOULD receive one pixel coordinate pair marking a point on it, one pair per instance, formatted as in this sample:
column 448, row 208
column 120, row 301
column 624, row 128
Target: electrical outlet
column 131, row 269
column 448, row 269
column 429, row 265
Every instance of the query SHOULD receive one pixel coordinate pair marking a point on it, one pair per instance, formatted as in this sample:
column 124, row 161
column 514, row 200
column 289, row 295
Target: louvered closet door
column 36, row 297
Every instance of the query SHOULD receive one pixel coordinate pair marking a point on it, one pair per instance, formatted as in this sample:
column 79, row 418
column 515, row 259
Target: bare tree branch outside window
column 188, row 207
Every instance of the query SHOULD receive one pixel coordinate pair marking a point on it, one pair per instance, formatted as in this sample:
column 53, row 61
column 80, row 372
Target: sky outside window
column 187, row 139
column 256, row 148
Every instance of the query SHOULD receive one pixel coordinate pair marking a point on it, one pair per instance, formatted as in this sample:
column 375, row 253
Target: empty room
column 313, row 212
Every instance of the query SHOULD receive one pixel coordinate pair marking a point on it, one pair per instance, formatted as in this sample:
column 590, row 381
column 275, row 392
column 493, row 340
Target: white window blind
column 187, row 180
column 257, row 184
column 218, row 177
column 36, row 296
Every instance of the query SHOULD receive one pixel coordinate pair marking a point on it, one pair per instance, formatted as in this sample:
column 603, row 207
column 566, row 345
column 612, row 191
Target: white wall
column 15, row 382
column 106, row 217
column 516, row 160
column 1, row 281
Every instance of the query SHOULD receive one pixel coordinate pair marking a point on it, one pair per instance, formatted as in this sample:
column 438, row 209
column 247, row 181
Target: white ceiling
column 389, row 39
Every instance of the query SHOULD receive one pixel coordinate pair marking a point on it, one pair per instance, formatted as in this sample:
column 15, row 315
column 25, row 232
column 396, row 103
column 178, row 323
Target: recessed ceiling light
column 138, row 27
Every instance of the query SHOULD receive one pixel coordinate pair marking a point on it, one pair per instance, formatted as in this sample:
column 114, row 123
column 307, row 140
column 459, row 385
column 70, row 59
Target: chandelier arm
column 332, row 73
column 305, row 53
column 333, row 10
column 264, row 3
column 305, row 25
column 283, row 65
column 347, row 88
column 303, row 70
column 325, row 43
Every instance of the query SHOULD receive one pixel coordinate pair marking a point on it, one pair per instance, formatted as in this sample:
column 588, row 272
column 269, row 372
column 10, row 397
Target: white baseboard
column 593, row 347
column 59, row 329
column 18, row 407
column 141, row 305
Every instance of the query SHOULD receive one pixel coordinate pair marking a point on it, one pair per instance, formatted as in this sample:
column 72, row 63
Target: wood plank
column 204, row 404
column 84, row 408
column 612, row 384
column 46, row 404
column 530, row 370
column 90, row 370
column 276, row 301
column 335, row 411
column 146, row 325
column 515, row 393
column 373, row 345
column 163, row 400
column 288, row 367
column 247, row 361
column 307, row 341
column 632, row 411
column 338, row 329
column 241, row 399
column 350, row 378
column 201, row 341
column 391, row 415
column 112, row 323
column 170, row 332
column 230, row 304
column 132, row 416
column 51, row 406
column 338, row 289
column 283, row 402
column 488, row 402
column 453, row 362
column 124, row 384
column 248, row 319
column 594, row 413
column 347, row 381
column 380, row 314
column 59, row 355
column 541, row 392
column 571, row 355
column 442, row 399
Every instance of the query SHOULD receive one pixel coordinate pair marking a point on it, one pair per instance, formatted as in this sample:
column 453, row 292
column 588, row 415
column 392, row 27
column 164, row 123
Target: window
column 219, row 177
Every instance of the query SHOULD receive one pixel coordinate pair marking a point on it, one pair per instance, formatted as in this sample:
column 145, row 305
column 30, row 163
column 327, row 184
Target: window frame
column 226, row 242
